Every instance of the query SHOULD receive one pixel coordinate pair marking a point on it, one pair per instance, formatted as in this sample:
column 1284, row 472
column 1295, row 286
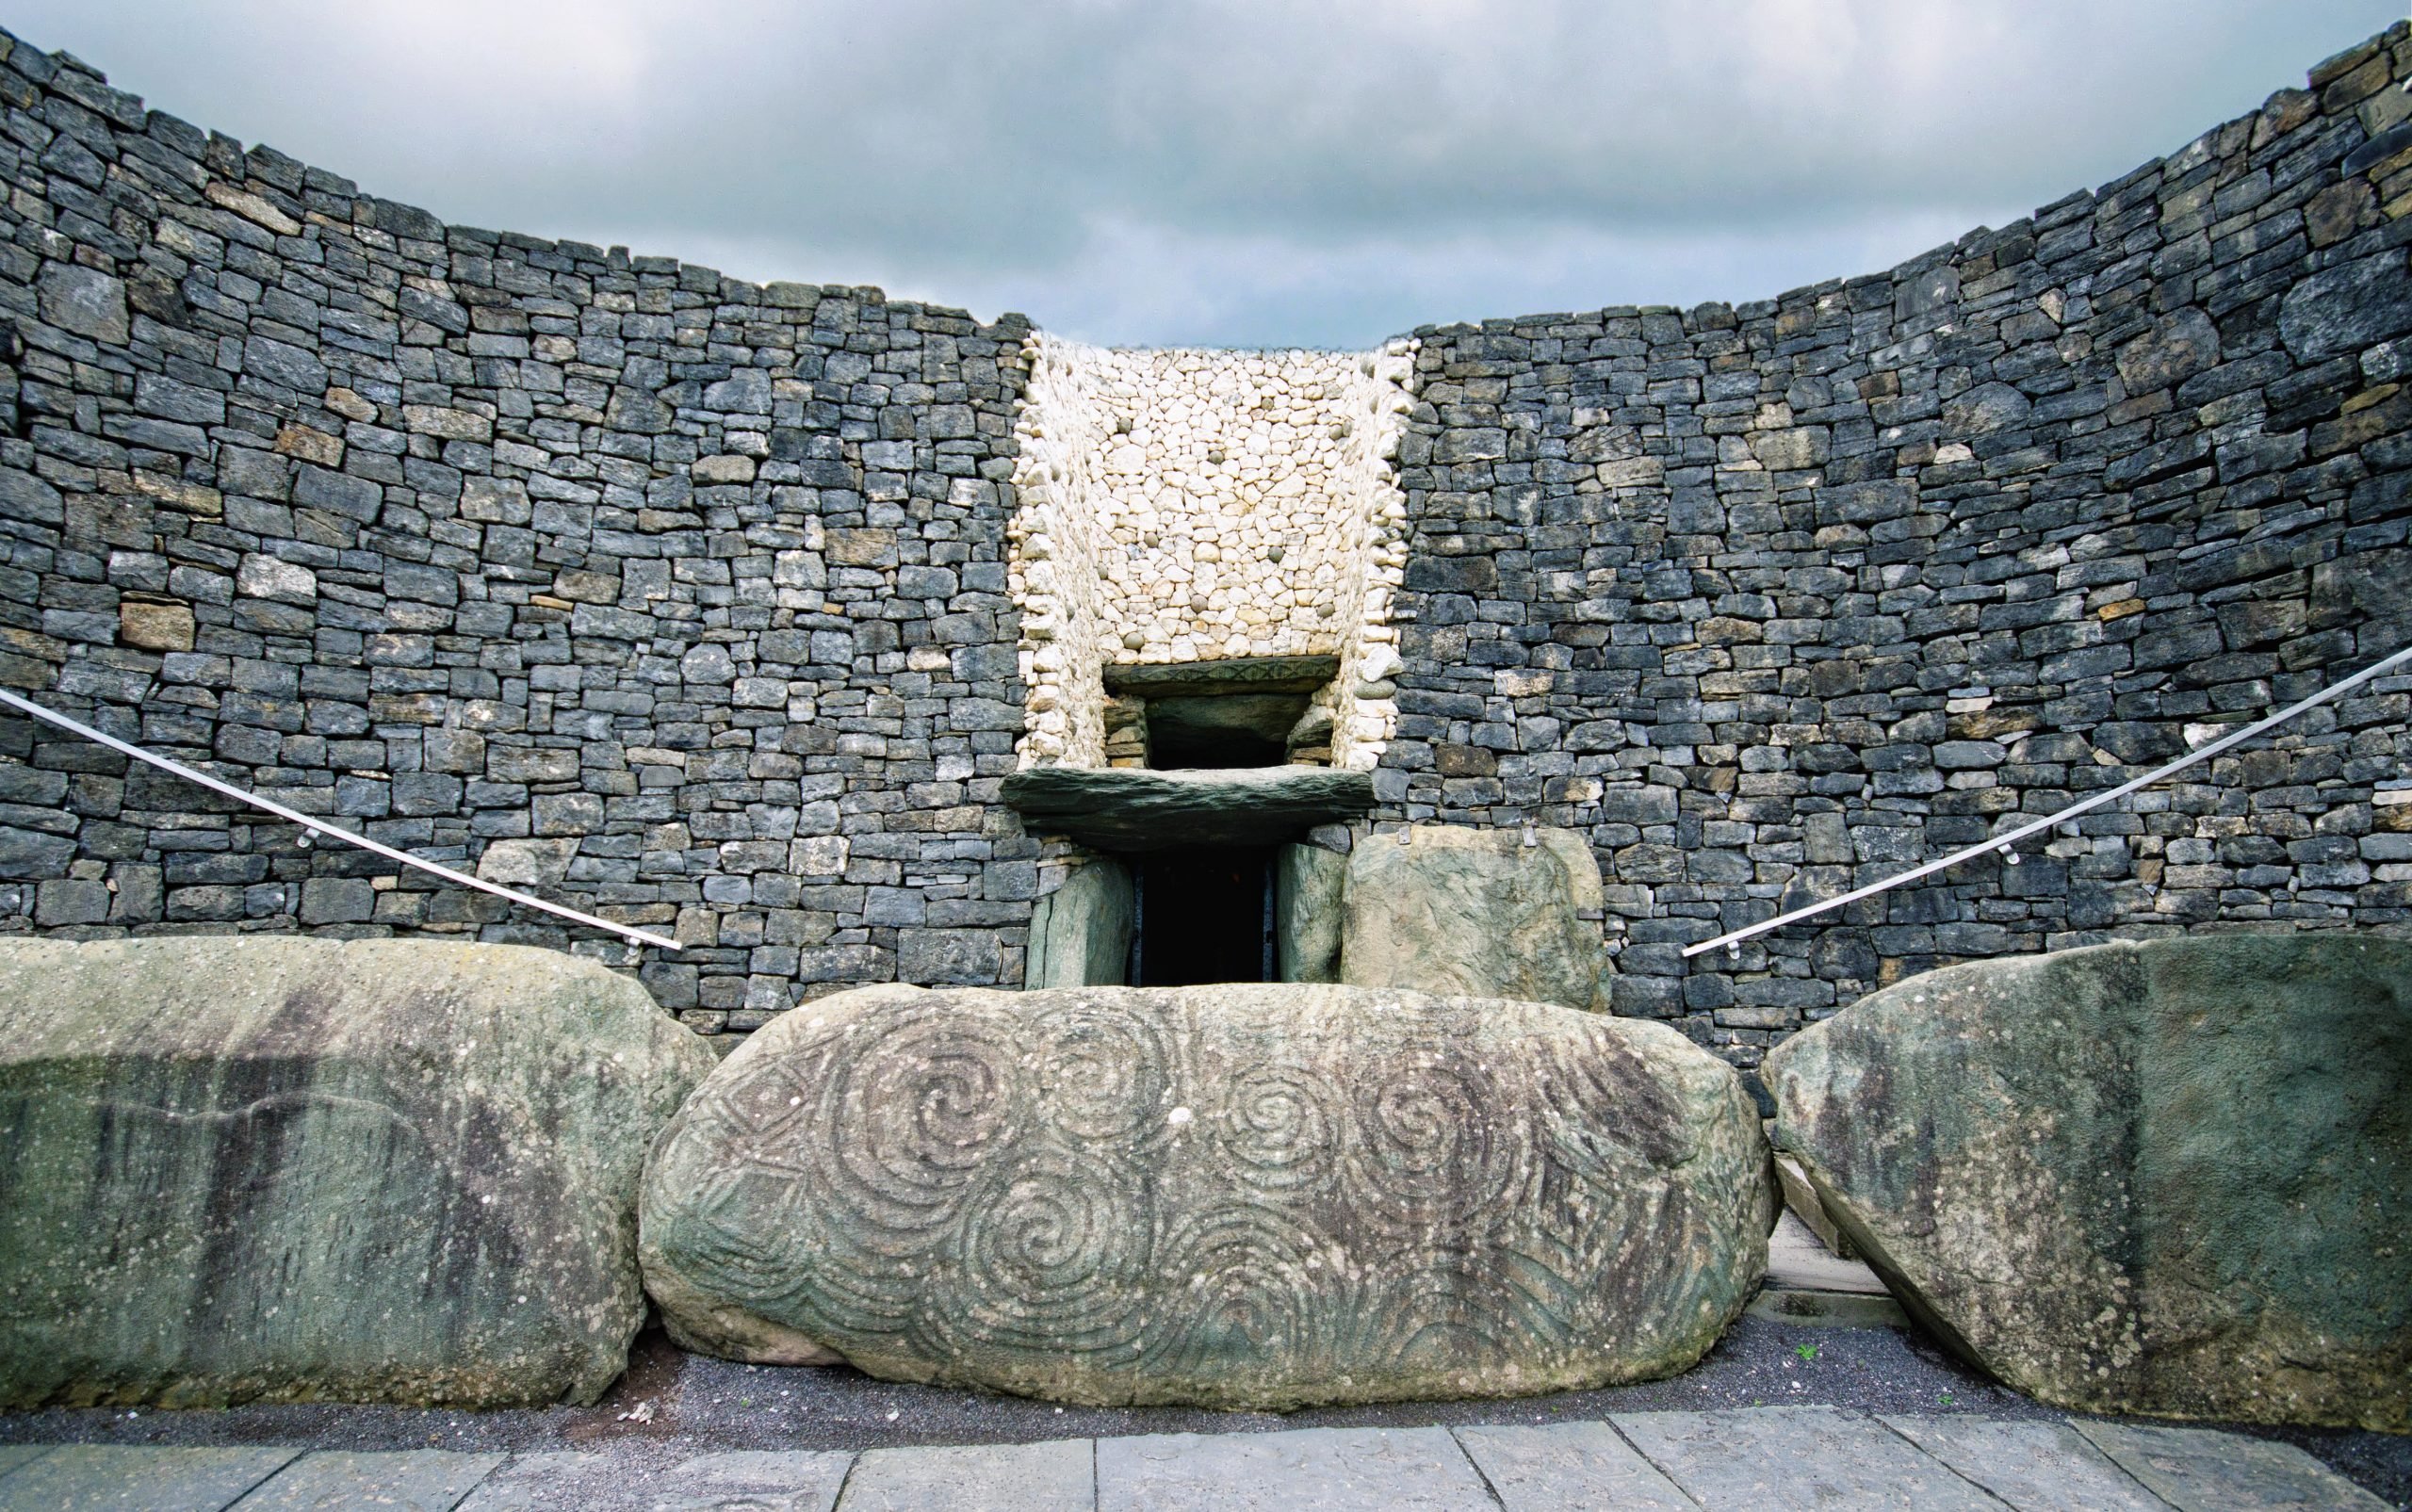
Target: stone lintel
column 1231, row 675
column 1123, row 808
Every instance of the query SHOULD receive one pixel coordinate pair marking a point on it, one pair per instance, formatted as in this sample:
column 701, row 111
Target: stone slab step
column 1797, row 1261
column 2202, row 1470
column 1049, row 1477
column 1398, row 1470
column 1813, row 1459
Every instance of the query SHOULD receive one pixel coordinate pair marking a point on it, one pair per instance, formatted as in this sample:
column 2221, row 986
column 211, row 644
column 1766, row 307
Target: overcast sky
column 1310, row 172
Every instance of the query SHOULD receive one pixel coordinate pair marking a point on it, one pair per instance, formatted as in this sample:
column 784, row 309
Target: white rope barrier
column 314, row 825
column 2003, row 843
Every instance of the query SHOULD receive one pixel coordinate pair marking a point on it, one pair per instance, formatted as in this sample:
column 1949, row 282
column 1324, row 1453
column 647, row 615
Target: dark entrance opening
column 1204, row 916
column 1223, row 730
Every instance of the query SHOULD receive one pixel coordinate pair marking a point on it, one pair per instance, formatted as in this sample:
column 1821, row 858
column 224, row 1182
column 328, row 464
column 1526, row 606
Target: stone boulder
column 2172, row 1179
column 1476, row 912
column 308, row 1170
column 1247, row 1196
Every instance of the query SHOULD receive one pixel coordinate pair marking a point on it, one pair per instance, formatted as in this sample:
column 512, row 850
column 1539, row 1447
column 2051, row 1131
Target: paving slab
column 2035, row 1467
column 411, row 1480
column 1558, row 1465
column 125, row 1478
column 1772, row 1459
column 736, row 1481
column 1051, row 1477
column 2203, row 1470
column 1331, row 1469
column 531, row 1481
column 12, row 1456
column 752, row 1480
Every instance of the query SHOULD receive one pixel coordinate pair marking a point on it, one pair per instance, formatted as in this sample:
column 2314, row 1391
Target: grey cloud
column 1245, row 170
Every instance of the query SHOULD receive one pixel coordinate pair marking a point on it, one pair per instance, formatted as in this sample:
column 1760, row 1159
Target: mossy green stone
column 308, row 1170
column 2171, row 1178
column 1486, row 912
column 1260, row 1197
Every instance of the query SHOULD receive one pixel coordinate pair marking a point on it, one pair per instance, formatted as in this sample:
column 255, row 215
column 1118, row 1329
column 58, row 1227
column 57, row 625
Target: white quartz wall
column 1052, row 570
column 1188, row 504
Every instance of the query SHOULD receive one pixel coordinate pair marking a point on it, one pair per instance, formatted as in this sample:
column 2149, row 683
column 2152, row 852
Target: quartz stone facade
column 1183, row 506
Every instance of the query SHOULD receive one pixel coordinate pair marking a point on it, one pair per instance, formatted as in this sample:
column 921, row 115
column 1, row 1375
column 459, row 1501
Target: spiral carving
column 1427, row 1148
column 1057, row 1248
column 914, row 1109
column 1276, row 1127
column 1103, row 1075
column 1248, row 1278
column 1241, row 1197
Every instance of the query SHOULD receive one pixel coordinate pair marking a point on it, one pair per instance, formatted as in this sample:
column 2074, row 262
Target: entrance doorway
column 1204, row 916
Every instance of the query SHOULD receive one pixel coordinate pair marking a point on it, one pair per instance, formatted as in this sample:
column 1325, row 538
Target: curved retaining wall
column 676, row 597
column 688, row 600
column 1773, row 599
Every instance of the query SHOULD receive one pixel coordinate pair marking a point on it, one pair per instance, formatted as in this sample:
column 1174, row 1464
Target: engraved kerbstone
column 1261, row 1197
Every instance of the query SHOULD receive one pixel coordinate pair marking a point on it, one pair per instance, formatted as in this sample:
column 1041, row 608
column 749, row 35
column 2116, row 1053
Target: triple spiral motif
column 1117, row 1194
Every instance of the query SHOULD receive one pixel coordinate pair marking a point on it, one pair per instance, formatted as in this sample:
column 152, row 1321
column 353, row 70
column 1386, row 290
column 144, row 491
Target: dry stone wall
column 676, row 599
column 1776, row 599
column 726, row 609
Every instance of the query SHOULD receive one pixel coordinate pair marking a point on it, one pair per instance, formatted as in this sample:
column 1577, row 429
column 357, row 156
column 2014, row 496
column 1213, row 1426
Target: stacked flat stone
column 678, row 597
column 726, row 608
column 1777, row 599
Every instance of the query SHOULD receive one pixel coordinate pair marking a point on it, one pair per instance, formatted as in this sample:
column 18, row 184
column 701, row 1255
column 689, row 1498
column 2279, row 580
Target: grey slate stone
column 86, row 302
column 1358, row 1470
column 1796, row 1459
column 1546, row 1467
column 2348, row 307
column 28, row 854
column 1229, row 674
column 1043, row 1477
column 116, row 1478
column 2200, row 1470
column 1133, row 809
column 286, row 365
